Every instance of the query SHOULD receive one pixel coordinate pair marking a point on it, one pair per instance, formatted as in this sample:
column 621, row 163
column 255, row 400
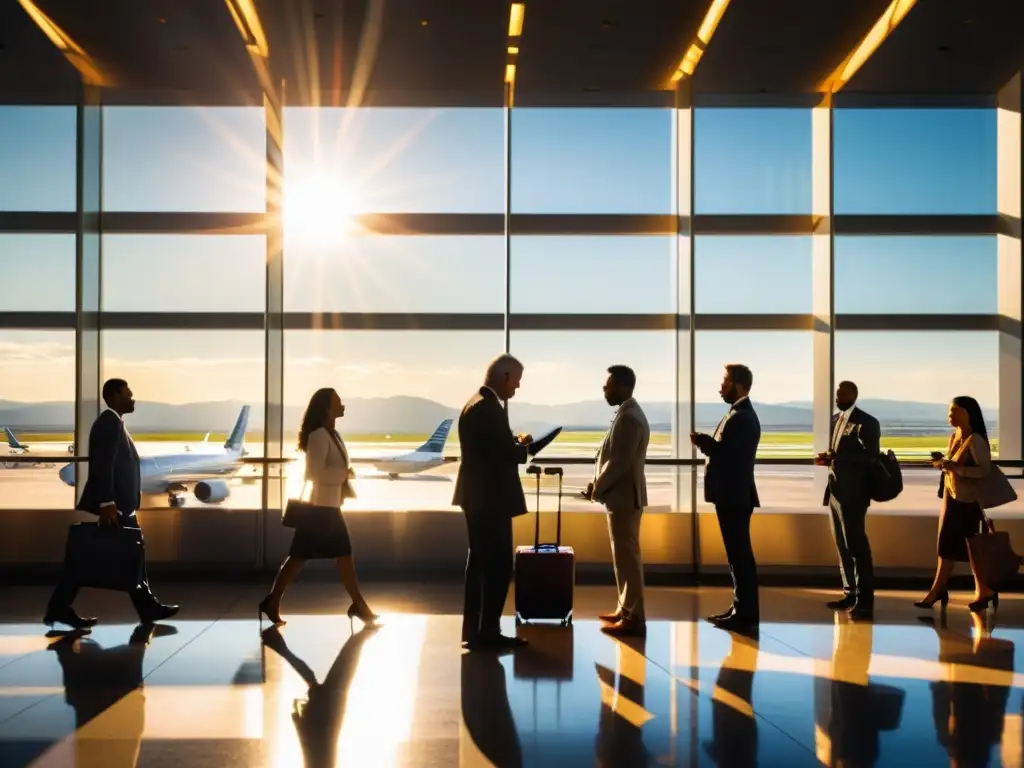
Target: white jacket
column 327, row 469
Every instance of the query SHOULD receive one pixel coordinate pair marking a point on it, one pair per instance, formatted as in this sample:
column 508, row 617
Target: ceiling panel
column 948, row 46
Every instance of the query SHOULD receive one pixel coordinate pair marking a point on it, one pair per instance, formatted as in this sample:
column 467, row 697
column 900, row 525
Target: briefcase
column 545, row 574
column 108, row 557
column 992, row 556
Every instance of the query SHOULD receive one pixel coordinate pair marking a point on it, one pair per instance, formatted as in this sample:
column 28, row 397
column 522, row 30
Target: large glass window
column 915, row 161
column 193, row 159
column 398, row 387
column 752, row 161
column 37, row 405
column 781, row 362
column 38, row 273
column 906, row 380
column 184, row 273
column 916, row 275
column 190, row 388
column 406, row 273
column 592, row 161
column 603, row 275
column 753, row 275
column 343, row 161
column 37, row 155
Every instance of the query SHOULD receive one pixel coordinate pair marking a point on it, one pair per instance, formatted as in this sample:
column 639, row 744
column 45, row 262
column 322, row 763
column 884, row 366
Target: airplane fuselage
column 160, row 471
column 408, row 463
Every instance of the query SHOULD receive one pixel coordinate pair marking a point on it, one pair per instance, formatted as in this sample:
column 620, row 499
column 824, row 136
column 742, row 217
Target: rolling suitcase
column 545, row 574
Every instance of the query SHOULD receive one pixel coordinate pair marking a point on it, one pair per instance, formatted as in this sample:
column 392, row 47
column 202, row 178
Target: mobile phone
column 937, row 455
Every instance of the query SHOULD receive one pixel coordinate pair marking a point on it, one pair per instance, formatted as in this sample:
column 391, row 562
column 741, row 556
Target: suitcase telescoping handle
column 534, row 469
column 558, row 518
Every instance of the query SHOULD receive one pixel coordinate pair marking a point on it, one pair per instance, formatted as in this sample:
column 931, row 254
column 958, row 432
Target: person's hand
column 693, row 438
column 946, row 465
column 823, row 459
column 525, row 439
column 588, row 492
column 108, row 515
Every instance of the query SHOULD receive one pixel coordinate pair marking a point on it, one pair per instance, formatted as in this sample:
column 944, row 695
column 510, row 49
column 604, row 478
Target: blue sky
column 446, row 161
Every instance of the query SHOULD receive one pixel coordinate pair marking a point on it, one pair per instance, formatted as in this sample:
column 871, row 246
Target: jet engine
column 212, row 491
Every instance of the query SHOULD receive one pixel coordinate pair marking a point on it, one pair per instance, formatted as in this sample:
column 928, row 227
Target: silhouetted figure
column 851, row 454
column 490, row 494
column 729, row 485
column 969, row 714
column 486, row 712
column 96, row 680
column 318, row 718
column 735, row 731
column 113, row 492
column 620, row 738
column 329, row 475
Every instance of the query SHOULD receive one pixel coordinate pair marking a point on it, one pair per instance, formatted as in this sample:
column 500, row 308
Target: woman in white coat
column 328, row 476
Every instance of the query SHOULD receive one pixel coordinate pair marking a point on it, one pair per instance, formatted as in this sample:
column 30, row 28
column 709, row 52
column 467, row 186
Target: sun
column 319, row 208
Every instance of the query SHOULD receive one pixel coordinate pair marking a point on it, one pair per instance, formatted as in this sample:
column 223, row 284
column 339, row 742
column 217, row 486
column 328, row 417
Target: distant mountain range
column 414, row 414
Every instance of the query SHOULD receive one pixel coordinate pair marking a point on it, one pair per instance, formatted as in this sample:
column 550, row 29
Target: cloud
column 50, row 351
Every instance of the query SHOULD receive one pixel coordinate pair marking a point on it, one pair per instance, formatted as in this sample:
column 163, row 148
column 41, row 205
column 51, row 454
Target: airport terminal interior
column 231, row 204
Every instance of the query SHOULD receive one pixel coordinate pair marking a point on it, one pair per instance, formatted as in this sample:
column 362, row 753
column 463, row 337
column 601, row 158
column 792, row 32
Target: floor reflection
column 813, row 690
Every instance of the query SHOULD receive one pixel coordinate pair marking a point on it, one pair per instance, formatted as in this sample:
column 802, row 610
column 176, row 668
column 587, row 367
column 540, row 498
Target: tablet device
column 542, row 442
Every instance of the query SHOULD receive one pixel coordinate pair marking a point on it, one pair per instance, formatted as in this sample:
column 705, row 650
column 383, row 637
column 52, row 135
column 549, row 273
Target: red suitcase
column 545, row 574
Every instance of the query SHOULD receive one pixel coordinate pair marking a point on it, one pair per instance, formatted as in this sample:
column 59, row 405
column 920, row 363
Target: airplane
column 427, row 456
column 17, row 448
column 172, row 474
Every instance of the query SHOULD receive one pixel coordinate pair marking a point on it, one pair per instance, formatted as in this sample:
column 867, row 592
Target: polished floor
column 209, row 689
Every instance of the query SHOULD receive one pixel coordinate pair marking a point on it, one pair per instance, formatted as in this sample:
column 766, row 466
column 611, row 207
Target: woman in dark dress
column 328, row 477
column 968, row 460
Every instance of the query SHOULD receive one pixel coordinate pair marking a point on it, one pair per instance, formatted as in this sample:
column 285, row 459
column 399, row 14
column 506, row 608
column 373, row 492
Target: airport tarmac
column 782, row 489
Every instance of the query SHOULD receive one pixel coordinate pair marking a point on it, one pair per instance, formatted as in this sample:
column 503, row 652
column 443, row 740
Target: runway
column 781, row 488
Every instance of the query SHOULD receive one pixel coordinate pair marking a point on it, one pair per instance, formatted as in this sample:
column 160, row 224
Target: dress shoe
column 741, row 625
column 847, row 602
column 628, row 627
column 722, row 616
column 68, row 616
column 863, row 610
column 495, row 643
column 157, row 612
column 611, row 618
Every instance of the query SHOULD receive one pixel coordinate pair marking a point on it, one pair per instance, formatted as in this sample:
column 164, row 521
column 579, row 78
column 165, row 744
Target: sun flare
column 320, row 208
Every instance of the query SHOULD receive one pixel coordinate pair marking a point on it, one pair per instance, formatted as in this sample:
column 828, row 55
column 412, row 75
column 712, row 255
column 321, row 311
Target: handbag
column 304, row 514
column 108, row 557
column 994, row 489
column 992, row 556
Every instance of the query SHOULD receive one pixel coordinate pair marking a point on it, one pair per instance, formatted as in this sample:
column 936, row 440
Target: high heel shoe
column 366, row 615
column 264, row 608
column 982, row 604
column 942, row 597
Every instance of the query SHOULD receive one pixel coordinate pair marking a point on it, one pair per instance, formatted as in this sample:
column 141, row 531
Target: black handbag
column 303, row 514
column 105, row 557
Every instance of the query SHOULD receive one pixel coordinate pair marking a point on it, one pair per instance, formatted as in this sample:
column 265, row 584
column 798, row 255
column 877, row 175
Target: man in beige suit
column 620, row 485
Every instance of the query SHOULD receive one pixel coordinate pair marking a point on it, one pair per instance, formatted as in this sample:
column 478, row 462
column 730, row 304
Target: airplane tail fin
column 12, row 441
column 435, row 443
column 236, row 440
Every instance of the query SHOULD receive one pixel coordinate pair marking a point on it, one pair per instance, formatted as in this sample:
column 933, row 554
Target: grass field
column 778, row 444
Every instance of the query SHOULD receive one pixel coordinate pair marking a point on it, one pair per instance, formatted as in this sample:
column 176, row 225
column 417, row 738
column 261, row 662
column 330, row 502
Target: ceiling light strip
column 73, row 52
column 516, row 17
column 704, row 34
column 883, row 27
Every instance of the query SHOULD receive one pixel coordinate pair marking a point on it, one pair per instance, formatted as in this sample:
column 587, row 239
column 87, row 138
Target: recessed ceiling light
column 424, row 22
column 162, row 21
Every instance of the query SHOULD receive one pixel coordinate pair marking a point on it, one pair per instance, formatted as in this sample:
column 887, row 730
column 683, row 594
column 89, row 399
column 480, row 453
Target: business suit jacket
column 113, row 468
column 729, row 474
column 620, row 483
column 327, row 469
column 849, row 476
column 488, row 479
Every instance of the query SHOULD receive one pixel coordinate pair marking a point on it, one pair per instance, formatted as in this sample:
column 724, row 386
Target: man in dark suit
column 490, row 493
column 113, row 492
column 729, row 485
column 853, row 449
